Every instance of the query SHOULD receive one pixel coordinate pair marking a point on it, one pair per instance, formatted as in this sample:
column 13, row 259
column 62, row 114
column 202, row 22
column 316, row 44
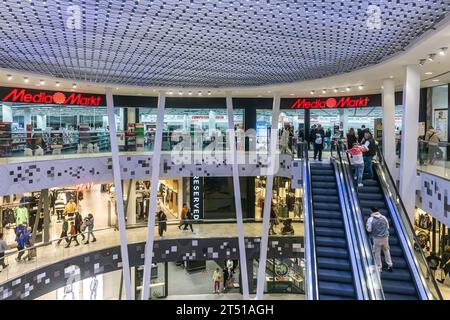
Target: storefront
column 432, row 234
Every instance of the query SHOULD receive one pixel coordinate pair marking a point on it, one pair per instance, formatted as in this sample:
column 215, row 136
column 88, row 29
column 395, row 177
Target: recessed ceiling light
column 442, row 51
column 335, row 90
column 9, row 77
column 391, row 77
column 422, row 62
column 435, row 80
column 324, row 91
column 312, row 92
column 74, row 86
column 42, row 82
column 431, row 56
column 291, row 94
column 170, row 92
column 199, row 93
column 180, row 93
column 347, row 89
column 428, row 73
column 360, row 87
column 26, row 80
column 209, row 93
column 57, row 84
column 117, row 88
column 190, row 93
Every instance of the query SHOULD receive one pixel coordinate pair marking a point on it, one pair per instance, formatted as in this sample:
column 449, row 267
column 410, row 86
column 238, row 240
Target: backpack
column 318, row 139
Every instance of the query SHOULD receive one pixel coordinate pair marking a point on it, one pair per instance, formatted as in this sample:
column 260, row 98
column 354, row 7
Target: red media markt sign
column 75, row 99
column 343, row 102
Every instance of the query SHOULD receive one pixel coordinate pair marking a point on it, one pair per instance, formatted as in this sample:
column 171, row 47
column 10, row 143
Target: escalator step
column 333, row 263
column 396, row 251
column 324, row 191
column 331, row 242
column 371, row 196
column 370, row 189
column 399, row 287
column 370, row 183
column 322, row 172
column 399, row 262
column 325, row 198
column 331, row 252
column 331, row 297
column 333, row 223
column 326, row 185
column 372, row 203
column 335, row 276
column 321, row 165
column 396, row 274
column 322, row 179
column 326, row 206
column 327, row 214
column 330, row 232
column 338, row 289
column 391, row 296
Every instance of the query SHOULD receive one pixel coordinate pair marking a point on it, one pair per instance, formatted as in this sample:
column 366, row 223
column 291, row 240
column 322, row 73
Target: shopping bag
column 439, row 275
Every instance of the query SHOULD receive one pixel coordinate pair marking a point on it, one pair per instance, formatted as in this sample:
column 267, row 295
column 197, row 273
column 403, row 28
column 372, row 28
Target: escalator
column 411, row 278
column 334, row 267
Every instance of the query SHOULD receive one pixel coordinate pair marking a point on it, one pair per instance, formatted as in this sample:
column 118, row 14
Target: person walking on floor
column 317, row 136
column 216, row 278
column 432, row 144
column 90, row 228
column 445, row 264
column 162, row 222
column 188, row 221
column 59, row 208
column 378, row 226
column 3, row 248
column 64, row 230
column 78, row 223
column 20, row 239
column 357, row 162
column 183, row 216
column 273, row 219
column 226, row 275
column 369, row 143
column 73, row 235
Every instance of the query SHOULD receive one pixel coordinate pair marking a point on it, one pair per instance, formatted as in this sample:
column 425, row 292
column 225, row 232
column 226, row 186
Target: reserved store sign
column 196, row 187
column 21, row 95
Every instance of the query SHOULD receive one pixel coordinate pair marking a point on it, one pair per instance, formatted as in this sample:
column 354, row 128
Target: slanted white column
column 156, row 161
column 388, row 103
column 131, row 209
column 237, row 197
column 119, row 194
column 410, row 128
column 273, row 158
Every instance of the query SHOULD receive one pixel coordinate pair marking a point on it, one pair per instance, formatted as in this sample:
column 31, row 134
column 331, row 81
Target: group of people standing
column 226, row 277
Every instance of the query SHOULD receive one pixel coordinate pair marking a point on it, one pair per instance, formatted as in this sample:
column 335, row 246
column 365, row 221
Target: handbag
column 440, row 274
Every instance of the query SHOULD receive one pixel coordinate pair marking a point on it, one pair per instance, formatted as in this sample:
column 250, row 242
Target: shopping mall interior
column 224, row 150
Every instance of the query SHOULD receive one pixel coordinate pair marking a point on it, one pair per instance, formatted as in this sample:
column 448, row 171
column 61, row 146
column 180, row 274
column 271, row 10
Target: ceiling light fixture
column 190, row 93
column 335, row 90
column 324, row 91
column 42, row 82
column 170, row 92
column 431, row 56
column 26, row 80
column 422, row 62
column 291, row 94
column 347, row 89
column 443, row 51
column 9, row 77
column 428, row 73
column 74, row 86
column 435, row 80
column 360, row 87
column 312, row 92
column 209, row 93
column 199, row 93
column 180, row 93
column 58, row 84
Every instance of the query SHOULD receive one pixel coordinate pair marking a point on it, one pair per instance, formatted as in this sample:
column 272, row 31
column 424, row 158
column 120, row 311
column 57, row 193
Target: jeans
column 63, row 236
column 186, row 225
column 378, row 245
column 368, row 166
column 318, row 150
column 89, row 234
column 359, row 170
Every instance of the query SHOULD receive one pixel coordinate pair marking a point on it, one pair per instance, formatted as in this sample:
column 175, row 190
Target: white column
column 7, row 115
column 237, row 198
column 410, row 128
column 388, row 103
column 27, row 118
column 119, row 195
column 131, row 209
column 268, row 200
column 156, row 161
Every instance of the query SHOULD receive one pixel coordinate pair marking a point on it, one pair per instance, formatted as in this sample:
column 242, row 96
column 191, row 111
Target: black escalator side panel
column 335, row 276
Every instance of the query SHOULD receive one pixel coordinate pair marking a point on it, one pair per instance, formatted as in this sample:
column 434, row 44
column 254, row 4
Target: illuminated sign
column 197, row 198
column 330, row 103
column 85, row 186
column 50, row 97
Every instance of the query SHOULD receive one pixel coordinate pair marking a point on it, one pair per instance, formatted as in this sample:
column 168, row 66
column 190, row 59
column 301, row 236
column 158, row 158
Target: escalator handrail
column 311, row 281
column 373, row 279
column 398, row 205
column 352, row 241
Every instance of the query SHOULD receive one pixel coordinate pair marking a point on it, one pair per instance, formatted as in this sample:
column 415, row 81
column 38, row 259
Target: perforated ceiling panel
column 207, row 43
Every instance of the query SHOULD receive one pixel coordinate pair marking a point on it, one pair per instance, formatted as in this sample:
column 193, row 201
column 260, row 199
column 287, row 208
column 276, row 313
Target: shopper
column 378, row 227
column 183, row 216
column 273, row 219
column 3, row 248
column 433, row 262
column 284, row 141
column 351, row 138
column 445, row 264
column 64, row 230
column 216, row 278
column 361, row 132
column 70, row 208
column 90, row 228
column 226, row 275
column 358, row 162
column 370, row 150
column 78, row 223
column 432, row 145
column 318, row 136
column 59, row 207
column 73, row 235
column 20, row 239
column 188, row 221
column 162, row 223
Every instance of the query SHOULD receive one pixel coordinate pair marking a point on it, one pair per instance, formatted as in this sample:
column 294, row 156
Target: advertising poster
column 441, row 123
